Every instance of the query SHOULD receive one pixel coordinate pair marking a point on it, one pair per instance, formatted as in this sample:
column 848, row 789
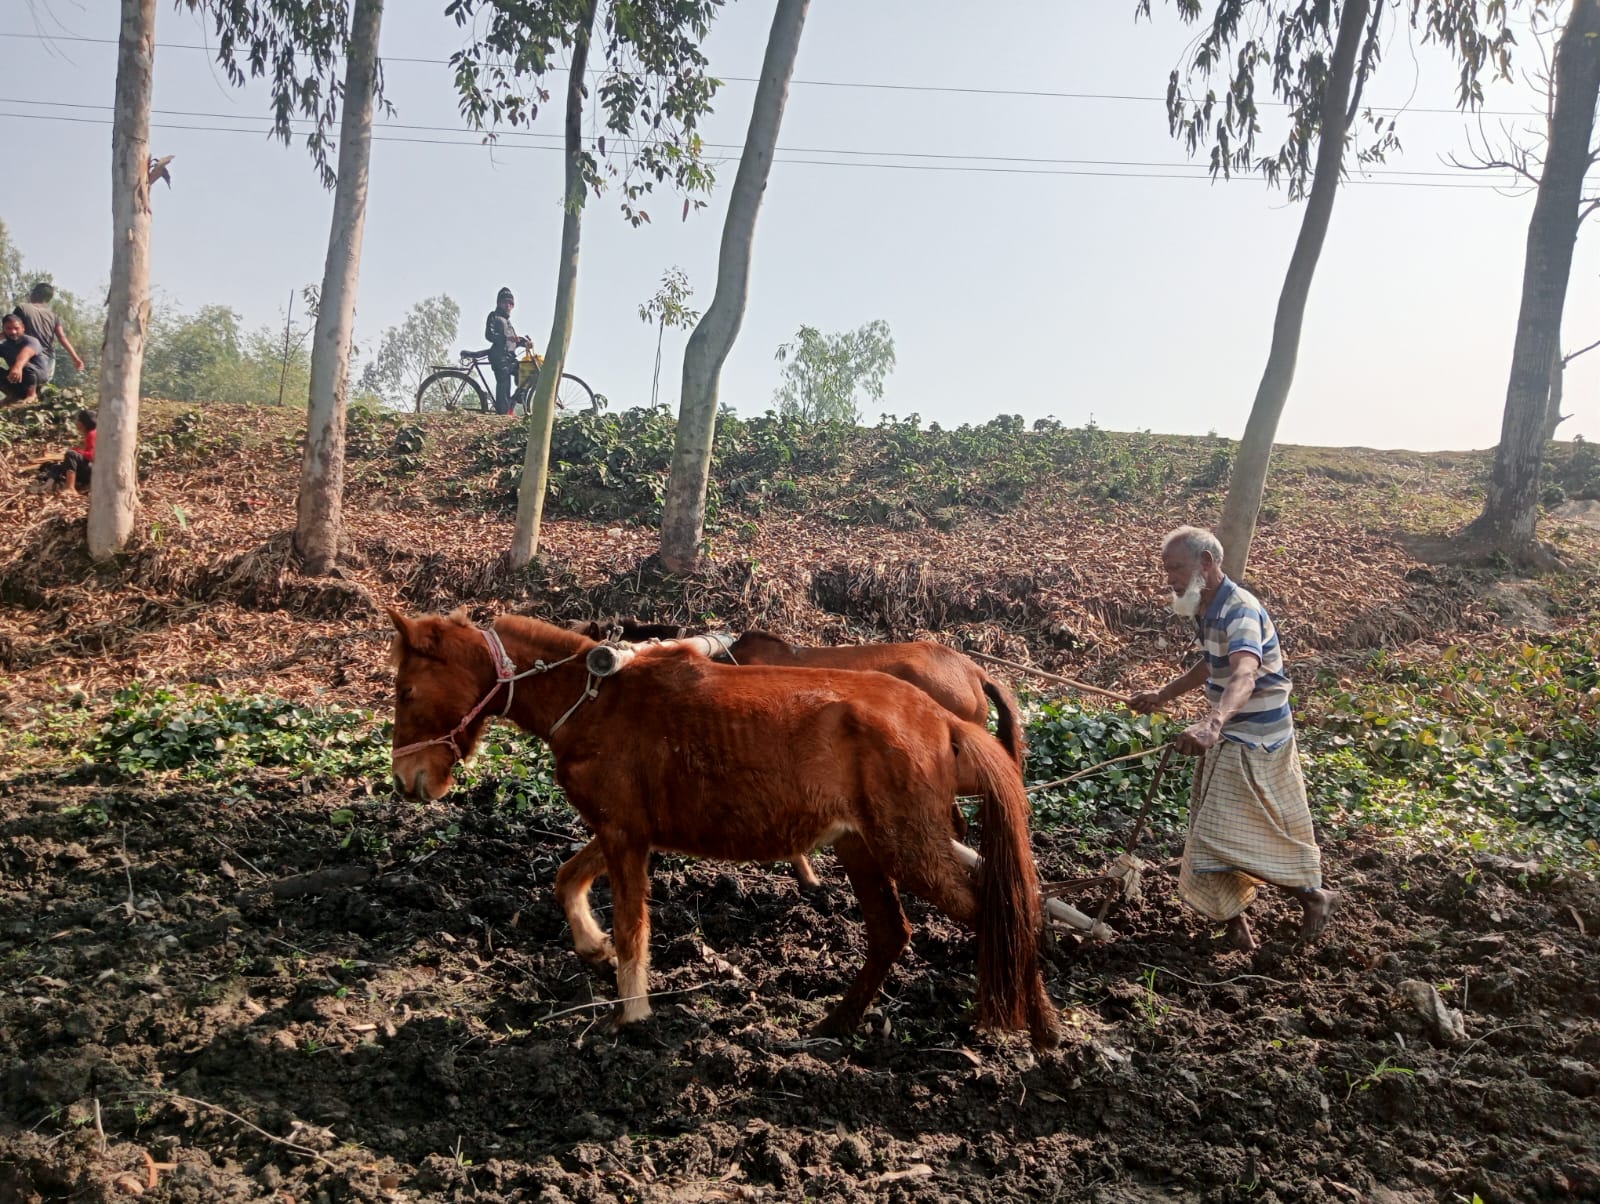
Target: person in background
column 72, row 474
column 21, row 352
column 40, row 321
column 503, row 343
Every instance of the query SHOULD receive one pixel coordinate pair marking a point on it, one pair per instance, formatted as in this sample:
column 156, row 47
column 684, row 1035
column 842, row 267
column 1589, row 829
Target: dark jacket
column 502, row 336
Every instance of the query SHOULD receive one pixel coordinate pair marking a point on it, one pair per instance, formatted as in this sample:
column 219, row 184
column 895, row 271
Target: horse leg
column 573, row 880
column 888, row 933
column 628, row 866
column 805, row 874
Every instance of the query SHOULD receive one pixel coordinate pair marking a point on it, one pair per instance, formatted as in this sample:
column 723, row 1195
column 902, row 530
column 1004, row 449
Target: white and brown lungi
column 1249, row 823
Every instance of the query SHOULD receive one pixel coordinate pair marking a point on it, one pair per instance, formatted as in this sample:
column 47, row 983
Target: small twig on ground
column 567, row 836
column 227, row 848
column 127, row 869
column 318, row 881
column 272, row 1137
column 1504, row 1028
column 99, row 1127
column 1083, row 773
column 606, row 1003
column 1219, row 983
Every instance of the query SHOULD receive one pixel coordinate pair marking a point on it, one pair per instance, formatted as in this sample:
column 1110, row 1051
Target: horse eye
column 405, row 693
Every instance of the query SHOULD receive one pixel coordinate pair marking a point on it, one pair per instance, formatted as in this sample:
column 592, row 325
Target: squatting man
column 1249, row 821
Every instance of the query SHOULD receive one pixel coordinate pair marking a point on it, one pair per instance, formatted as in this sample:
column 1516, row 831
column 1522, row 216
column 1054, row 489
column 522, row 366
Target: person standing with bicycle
column 503, row 343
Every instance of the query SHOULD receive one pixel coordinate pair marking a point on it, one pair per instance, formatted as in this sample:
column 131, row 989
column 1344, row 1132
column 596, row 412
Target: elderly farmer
column 1248, row 818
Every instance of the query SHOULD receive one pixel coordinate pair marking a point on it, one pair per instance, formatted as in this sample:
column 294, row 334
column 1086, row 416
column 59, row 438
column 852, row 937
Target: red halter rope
column 505, row 674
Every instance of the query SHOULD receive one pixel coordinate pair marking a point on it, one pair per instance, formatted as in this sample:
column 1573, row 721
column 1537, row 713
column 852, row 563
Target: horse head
column 757, row 647
column 444, row 669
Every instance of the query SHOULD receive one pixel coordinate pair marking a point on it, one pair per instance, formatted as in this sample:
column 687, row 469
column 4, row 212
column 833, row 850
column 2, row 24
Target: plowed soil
column 184, row 1019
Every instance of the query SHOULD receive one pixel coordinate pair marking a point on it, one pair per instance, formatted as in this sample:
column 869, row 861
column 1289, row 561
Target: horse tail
column 1010, row 991
column 1009, row 723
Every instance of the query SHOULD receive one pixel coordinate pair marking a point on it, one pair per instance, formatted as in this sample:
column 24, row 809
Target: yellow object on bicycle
column 528, row 366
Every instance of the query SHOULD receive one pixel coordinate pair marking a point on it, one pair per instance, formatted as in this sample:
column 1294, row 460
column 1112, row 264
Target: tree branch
column 1572, row 355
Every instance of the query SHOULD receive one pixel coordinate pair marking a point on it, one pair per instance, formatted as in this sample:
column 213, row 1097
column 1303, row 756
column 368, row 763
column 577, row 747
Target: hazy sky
column 1018, row 282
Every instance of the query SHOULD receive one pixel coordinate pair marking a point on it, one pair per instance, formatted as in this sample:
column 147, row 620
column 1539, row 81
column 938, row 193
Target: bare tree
column 1519, row 151
column 683, row 513
column 1510, row 515
column 653, row 91
column 273, row 33
column 1317, row 58
column 114, row 489
column 321, row 504
column 542, row 411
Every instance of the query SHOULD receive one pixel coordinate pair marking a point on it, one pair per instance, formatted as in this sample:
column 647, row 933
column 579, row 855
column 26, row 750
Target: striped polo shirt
column 1236, row 622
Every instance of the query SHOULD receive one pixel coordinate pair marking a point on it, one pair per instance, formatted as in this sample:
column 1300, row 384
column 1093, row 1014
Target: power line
column 556, row 142
column 868, row 85
column 1195, row 172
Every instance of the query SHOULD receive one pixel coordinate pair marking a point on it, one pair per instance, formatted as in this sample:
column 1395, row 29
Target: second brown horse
column 942, row 673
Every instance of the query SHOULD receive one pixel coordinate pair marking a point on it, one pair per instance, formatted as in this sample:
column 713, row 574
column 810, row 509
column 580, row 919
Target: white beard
column 1187, row 604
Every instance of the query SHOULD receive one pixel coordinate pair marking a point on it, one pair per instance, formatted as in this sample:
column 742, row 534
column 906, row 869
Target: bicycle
column 448, row 389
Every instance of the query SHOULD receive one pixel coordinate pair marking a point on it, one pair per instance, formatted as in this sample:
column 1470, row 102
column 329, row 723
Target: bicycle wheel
column 450, row 389
column 572, row 393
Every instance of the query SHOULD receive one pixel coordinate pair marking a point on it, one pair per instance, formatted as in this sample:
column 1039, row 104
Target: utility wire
column 951, row 89
column 1200, row 172
column 557, row 142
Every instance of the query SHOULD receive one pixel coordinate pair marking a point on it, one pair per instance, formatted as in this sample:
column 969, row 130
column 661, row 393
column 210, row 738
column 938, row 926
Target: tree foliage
column 670, row 305
column 406, row 352
column 208, row 356
column 653, row 91
column 294, row 45
column 823, row 373
column 1282, row 48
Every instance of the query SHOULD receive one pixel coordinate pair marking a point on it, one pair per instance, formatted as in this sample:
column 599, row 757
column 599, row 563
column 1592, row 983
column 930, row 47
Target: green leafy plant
column 1375, row 1075
column 215, row 737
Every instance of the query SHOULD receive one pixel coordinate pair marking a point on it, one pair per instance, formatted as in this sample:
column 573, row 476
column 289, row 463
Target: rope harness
column 505, row 674
column 601, row 661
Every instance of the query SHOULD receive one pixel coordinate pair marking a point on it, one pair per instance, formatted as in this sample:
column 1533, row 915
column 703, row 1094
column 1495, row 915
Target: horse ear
column 401, row 624
column 460, row 617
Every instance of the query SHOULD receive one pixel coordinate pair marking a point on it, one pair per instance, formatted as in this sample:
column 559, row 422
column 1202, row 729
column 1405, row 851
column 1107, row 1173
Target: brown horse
column 678, row 753
column 940, row 672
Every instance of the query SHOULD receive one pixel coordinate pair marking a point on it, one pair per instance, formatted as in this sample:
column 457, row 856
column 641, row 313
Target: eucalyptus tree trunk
column 684, row 508
column 114, row 488
column 1553, row 417
column 321, row 506
column 1249, row 477
column 1511, row 509
column 541, row 423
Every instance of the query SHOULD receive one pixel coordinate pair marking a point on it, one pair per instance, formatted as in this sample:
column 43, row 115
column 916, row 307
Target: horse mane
column 566, row 639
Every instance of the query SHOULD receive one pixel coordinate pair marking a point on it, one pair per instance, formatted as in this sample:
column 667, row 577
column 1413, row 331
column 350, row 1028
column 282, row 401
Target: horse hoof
column 601, row 955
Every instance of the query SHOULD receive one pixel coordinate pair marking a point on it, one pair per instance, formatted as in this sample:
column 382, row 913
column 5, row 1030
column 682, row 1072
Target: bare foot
column 1318, row 906
column 1240, row 936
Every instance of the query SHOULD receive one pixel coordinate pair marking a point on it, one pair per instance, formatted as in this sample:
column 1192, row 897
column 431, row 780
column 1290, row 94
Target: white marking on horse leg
column 633, row 987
